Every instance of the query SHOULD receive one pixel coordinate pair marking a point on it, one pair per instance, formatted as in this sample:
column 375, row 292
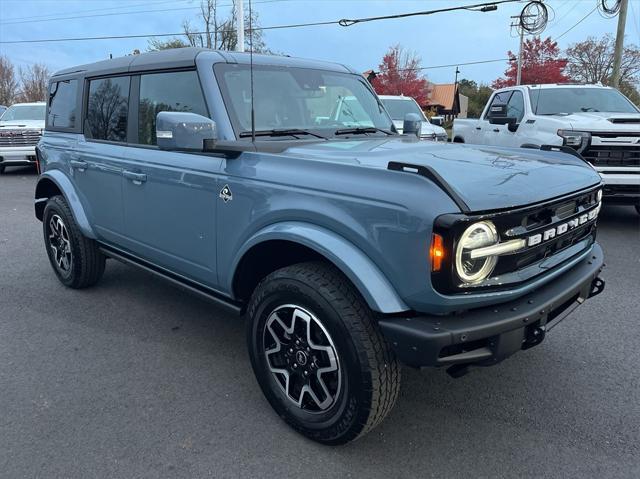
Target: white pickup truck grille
column 614, row 149
column 19, row 137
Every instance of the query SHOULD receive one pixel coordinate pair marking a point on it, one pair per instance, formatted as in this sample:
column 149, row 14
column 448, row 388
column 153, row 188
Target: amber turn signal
column 436, row 253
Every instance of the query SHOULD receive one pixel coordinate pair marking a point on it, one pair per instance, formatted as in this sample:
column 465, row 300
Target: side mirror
column 183, row 131
column 498, row 116
column 436, row 121
column 412, row 124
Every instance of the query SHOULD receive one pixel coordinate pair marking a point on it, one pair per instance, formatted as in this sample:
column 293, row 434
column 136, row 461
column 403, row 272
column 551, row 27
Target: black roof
column 186, row 57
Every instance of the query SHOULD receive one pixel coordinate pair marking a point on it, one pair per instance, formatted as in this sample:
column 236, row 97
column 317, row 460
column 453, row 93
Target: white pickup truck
column 21, row 127
column 598, row 122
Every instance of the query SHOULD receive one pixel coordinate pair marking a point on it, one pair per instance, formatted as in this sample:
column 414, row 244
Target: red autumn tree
column 400, row 75
column 541, row 63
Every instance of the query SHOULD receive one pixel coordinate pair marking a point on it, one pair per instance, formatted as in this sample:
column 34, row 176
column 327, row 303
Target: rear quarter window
column 62, row 105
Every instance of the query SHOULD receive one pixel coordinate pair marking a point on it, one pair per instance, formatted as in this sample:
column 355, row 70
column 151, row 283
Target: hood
column 484, row 177
column 603, row 121
column 27, row 124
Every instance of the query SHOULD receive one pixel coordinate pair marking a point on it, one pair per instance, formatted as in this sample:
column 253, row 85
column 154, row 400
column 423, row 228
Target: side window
column 62, row 104
column 107, row 109
column 515, row 107
column 499, row 99
column 176, row 91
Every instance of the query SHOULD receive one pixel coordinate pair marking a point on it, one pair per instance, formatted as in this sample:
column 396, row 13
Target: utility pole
column 617, row 54
column 517, row 25
column 240, row 25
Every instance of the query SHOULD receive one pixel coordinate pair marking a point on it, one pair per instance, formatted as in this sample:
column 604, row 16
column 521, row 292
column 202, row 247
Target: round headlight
column 475, row 236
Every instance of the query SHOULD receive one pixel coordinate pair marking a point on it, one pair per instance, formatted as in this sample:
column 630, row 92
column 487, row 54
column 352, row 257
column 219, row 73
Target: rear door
column 170, row 197
column 98, row 162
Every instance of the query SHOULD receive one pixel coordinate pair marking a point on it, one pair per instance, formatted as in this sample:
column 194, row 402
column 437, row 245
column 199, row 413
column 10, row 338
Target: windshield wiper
column 281, row 132
column 560, row 113
column 361, row 131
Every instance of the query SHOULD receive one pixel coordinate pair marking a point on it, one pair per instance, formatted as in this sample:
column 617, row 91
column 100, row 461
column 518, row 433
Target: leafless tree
column 591, row 61
column 8, row 83
column 215, row 29
column 34, row 81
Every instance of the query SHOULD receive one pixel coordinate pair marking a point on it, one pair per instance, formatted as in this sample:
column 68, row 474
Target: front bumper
column 621, row 186
column 486, row 336
column 18, row 156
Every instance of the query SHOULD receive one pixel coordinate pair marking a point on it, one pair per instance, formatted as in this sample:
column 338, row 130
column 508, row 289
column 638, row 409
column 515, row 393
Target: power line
column 345, row 22
column 576, row 24
column 126, row 13
column 342, row 22
column 31, row 17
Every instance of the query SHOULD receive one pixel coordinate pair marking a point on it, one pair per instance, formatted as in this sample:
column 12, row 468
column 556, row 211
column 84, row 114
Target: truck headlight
column 579, row 140
column 478, row 235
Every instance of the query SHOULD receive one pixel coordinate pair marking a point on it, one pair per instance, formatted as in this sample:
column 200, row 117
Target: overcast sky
column 441, row 39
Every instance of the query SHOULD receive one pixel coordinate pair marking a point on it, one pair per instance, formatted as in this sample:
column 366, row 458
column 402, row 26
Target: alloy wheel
column 60, row 244
column 302, row 358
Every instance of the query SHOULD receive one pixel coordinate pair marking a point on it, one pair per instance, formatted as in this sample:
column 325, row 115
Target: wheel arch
column 281, row 245
column 458, row 139
column 56, row 183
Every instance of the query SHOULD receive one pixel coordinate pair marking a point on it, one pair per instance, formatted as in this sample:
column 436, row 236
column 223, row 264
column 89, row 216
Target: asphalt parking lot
column 135, row 378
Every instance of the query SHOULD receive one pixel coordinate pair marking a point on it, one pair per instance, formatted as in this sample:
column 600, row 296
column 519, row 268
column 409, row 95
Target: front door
column 170, row 197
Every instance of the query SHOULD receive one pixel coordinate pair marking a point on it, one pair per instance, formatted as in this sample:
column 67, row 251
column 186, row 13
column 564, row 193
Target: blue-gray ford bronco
column 350, row 249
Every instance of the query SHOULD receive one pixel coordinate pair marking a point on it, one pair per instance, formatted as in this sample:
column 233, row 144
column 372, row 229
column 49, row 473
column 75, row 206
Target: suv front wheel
column 76, row 259
column 318, row 354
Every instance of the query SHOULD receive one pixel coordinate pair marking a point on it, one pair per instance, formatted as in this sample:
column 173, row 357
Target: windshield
column 24, row 112
column 322, row 102
column 552, row 101
column 398, row 109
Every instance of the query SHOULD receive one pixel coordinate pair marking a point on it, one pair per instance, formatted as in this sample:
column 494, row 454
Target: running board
column 184, row 283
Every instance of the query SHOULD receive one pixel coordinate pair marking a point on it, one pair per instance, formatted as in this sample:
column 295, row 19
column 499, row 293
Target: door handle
column 497, row 130
column 478, row 128
column 136, row 178
column 79, row 164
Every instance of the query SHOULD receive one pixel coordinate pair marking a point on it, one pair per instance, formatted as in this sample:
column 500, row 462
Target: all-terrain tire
column 82, row 263
column 365, row 386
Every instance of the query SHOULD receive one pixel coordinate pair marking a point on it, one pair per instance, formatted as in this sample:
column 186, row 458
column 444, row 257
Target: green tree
column 478, row 96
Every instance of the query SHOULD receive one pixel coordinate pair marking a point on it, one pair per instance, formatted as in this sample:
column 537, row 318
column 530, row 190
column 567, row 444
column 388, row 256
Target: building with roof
column 448, row 101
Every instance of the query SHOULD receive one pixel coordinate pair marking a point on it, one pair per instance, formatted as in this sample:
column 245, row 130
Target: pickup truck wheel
column 318, row 355
column 76, row 259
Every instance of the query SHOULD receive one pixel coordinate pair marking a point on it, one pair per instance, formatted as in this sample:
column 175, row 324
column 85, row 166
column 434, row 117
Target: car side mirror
column 498, row 116
column 183, row 131
column 412, row 124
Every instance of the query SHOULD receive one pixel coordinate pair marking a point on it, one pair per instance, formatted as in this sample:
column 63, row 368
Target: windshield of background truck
column 398, row 109
column 24, row 112
column 298, row 98
column 553, row 101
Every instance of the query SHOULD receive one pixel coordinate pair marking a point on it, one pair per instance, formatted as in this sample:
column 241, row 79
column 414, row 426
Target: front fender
column 372, row 284
column 64, row 185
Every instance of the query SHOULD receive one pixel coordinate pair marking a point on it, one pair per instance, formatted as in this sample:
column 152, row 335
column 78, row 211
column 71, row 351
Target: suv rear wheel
column 318, row 354
column 75, row 259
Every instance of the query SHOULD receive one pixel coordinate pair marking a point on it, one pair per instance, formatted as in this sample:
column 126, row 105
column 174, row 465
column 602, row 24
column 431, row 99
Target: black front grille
column 613, row 155
column 522, row 223
column 19, row 137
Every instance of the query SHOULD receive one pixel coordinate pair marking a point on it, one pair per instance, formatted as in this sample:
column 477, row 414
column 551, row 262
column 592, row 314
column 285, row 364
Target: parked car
column 350, row 250
column 21, row 126
column 598, row 122
column 399, row 106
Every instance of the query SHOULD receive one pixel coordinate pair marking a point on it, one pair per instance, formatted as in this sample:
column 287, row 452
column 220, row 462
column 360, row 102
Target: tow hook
column 534, row 336
column 597, row 287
